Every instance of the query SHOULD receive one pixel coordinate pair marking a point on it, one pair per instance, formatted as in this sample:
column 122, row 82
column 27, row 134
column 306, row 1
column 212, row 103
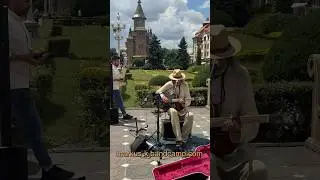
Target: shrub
column 128, row 76
column 195, row 68
column 289, row 105
column 201, row 77
column 256, row 77
column 221, row 17
column 200, row 96
column 95, row 102
column 141, row 87
column 56, row 31
column 159, row 80
column 287, row 59
column 59, row 47
column 138, row 62
column 269, row 23
column 42, row 81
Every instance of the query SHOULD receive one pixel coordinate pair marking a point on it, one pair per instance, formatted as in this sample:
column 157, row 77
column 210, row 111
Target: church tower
column 139, row 19
column 139, row 37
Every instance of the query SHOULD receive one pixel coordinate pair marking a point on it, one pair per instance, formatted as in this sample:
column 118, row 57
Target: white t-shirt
column 19, row 44
column 116, row 75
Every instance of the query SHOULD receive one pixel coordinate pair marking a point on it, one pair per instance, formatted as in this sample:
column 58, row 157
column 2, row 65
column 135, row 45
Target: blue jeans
column 26, row 115
column 117, row 98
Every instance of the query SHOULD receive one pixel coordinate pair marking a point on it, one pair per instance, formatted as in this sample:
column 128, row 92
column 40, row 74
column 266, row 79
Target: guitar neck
column 219, row 121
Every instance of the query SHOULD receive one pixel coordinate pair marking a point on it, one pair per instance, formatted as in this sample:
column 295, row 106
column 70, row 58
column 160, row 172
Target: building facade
column 201, row 41
column 139, row 37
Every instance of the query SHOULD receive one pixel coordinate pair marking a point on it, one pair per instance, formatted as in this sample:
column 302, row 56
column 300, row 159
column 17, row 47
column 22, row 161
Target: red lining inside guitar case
column 182, row 169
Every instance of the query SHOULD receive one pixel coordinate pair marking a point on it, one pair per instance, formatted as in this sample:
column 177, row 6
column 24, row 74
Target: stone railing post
column 208, row 96
column 313, row 142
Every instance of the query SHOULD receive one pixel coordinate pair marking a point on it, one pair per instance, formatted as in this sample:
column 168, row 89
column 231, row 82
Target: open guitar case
column 186, row 169
column 114, row 111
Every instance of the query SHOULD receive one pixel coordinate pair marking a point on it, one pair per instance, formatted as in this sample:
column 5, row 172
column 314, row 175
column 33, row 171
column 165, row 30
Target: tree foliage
column 155, row 54
column 198, row 58
column 183, row 57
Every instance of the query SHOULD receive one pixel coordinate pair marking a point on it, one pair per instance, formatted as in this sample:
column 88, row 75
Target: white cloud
column 205, row 5
column 169, row 20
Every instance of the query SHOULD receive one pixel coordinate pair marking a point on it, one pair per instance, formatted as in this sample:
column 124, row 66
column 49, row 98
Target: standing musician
column 117, row 80
column 232, row 95
column 178, row 89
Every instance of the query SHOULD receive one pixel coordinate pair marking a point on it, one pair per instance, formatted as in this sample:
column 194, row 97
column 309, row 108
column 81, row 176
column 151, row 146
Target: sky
column 169, row 20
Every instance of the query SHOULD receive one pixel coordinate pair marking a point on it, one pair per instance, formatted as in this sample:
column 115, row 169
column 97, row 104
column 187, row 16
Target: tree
column 183, row 57
column 155, row 54
column 170, row 56
column 198, row 56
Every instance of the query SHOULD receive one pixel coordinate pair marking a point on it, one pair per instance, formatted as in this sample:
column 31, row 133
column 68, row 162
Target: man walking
column 23, row 105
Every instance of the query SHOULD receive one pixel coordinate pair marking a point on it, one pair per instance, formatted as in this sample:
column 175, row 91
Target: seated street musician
column 177, row 89
column 232, row 96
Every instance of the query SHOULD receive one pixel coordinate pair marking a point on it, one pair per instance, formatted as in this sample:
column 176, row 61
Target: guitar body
column 171, row 96
column 188, row 168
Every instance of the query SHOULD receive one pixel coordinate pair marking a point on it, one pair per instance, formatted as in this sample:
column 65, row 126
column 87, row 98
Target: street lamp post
column 117, row 29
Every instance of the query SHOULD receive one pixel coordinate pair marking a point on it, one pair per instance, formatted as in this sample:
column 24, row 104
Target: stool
column 168, row 133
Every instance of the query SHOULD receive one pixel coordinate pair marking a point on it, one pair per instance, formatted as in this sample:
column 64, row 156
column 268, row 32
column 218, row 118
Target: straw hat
column 223, row 46
column 177, row 75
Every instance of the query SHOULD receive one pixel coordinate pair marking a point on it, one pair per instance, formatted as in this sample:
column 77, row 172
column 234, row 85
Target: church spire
column 139, row 12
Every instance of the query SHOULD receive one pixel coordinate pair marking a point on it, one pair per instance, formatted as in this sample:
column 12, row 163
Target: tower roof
column 139, row 12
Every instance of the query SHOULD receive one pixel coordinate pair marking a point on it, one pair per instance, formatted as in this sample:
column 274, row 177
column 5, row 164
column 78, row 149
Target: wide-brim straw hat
column 223, row 45
column 177, row 75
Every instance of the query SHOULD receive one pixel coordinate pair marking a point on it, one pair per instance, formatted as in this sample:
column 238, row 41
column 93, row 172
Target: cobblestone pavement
column 136, row 168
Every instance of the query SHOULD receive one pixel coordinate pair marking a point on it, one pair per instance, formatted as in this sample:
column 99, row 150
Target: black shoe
column 56, row 173
column 127, row 117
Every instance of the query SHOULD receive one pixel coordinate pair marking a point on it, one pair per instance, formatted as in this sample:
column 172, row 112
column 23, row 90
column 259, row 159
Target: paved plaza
column 141, row 168
column 284, row 163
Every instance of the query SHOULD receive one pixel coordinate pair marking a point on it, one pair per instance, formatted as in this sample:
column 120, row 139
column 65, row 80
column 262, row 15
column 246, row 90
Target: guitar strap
column 218, row 107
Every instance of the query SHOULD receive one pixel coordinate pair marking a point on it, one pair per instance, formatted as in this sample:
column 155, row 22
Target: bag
column 139, row 144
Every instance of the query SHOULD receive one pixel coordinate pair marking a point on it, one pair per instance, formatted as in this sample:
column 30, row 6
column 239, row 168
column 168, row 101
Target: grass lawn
column 143, row 77
column 61, row 117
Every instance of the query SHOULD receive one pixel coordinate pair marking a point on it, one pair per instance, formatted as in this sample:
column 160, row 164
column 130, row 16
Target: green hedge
column 59, row 47
column 201, row 77
column 56, row 31
column 159, row 80
column 199, row 94
column 95, row 98
column 289, row 104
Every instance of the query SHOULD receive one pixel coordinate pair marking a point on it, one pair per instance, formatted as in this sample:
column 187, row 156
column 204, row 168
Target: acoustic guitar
column 174, row 101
